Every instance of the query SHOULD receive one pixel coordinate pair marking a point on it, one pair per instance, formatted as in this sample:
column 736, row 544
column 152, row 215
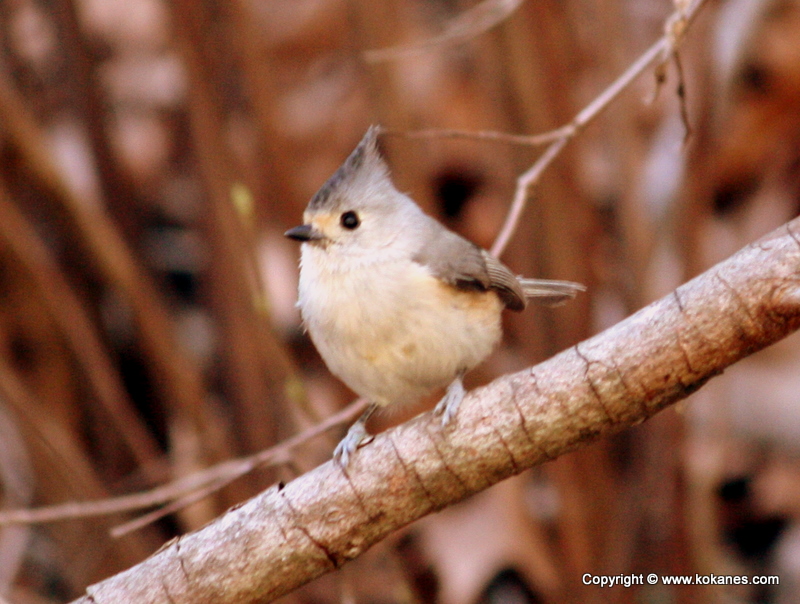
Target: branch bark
column 293, row 533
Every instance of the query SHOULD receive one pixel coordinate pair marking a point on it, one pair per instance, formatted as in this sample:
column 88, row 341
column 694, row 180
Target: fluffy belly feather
column 393, row 333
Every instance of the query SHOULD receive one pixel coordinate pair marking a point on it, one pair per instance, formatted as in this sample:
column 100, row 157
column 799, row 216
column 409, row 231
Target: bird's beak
column 304, row 232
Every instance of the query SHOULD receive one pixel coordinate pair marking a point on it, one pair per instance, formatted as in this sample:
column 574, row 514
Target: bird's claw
column 451, row 401
column 356, row 436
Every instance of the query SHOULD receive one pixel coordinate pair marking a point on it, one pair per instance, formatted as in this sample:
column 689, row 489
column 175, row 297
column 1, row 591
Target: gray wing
column 466, row 266
column 504, row 282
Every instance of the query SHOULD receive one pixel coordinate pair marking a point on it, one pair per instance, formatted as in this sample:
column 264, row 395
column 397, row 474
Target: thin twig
column 660, row 51
column 218, row 475
column 17, row 478
column 681, row 92
column 142, row 521
column 531, row 140
column 465, row 26
column 524, row 182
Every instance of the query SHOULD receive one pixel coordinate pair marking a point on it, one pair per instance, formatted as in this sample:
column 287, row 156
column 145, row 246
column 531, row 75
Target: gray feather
column 366, row 155
column 549, row 292
column 464, row 265
column 503, row 281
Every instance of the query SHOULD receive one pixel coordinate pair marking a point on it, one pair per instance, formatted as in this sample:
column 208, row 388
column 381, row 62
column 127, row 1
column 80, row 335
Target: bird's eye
column 350, row 220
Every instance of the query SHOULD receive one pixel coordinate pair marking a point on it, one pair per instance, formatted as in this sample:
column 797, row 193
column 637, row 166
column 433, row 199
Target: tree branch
column 291, row 534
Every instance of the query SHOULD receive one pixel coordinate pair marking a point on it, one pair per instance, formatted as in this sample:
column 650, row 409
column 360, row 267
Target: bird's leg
column 448, row 406
column 355, row 436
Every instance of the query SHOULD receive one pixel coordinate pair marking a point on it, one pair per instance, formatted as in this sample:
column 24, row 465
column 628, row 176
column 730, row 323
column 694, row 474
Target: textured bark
column 291, row 534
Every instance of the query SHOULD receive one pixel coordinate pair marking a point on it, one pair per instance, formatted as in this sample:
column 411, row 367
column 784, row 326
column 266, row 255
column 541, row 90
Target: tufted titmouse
column 396, row 304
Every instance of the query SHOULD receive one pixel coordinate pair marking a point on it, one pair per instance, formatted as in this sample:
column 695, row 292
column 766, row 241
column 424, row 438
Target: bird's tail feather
column 550, row 292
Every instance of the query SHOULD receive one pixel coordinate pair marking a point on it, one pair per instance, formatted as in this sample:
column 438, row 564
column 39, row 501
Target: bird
column 397, row 304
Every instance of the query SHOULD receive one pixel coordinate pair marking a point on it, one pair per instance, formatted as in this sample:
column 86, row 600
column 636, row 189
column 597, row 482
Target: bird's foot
column 451, row 401
column 356, row 436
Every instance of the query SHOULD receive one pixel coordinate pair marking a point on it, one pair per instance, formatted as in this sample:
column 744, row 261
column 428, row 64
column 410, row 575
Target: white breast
column 390, row 330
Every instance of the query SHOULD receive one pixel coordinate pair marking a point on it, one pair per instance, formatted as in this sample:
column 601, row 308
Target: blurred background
column 152, row 153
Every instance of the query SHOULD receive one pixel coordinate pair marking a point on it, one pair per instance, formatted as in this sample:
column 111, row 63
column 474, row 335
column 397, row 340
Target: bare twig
column 664, row 49
column 217, row 476
column 16, row 476
column 660, row 51
column 473, row 22
column 681, row 92
column 531, row 140
column 175, row 506
column 58, row 453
